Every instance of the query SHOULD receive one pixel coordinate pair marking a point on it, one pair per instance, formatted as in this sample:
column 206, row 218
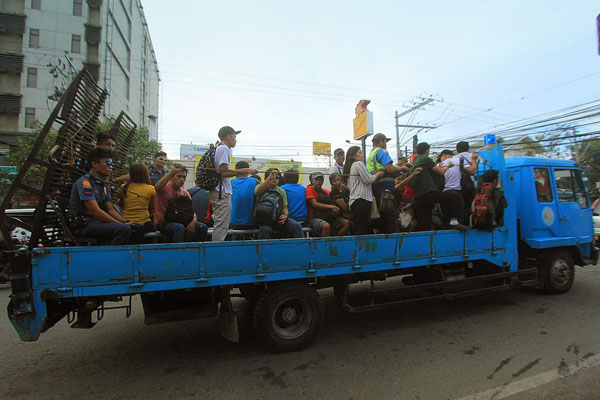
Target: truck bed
column 83, row 272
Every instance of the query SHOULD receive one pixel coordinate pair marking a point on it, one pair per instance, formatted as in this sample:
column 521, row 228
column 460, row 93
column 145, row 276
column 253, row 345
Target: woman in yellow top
column 137, row 197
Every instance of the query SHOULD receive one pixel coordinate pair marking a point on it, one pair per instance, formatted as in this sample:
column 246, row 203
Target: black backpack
column 267, row 209
column 324, row 214
column 180, row 210
column 207, row 176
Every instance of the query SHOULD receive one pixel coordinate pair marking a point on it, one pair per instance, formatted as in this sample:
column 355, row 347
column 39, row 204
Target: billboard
column 190, row 151
column 261, row 164
column 321, row 149
column 363, row 122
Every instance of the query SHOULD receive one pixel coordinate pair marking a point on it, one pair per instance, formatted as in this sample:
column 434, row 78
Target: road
column 516, row 345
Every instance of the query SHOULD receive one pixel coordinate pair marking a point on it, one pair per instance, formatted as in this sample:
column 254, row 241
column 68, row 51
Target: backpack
column 466, row 183
column 439, row 180
column 179, row 210
column 483, row 208
column 207, row 176
column 325, row 215
column 267, row 209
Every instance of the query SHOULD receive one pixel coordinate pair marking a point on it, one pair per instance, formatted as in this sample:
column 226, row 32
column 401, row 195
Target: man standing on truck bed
column 220, row 196
column 380, row 160
column 427, row 192
column 91, row 206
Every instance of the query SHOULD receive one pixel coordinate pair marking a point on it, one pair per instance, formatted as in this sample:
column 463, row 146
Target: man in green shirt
column 284, row 224
column 427, row 193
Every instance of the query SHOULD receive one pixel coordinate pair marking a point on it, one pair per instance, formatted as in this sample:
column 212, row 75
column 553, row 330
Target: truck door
column 543, row 215
column 574, row 213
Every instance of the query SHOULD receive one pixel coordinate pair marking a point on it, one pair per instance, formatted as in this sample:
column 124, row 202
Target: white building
column 40, row 39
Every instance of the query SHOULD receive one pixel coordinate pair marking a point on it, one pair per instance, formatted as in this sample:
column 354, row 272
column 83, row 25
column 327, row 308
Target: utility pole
column 415, row 142
column 398, row 126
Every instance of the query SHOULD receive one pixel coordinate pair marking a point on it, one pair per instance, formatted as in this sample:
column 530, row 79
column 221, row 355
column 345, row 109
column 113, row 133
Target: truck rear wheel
column 288, row 317
column 557, row 272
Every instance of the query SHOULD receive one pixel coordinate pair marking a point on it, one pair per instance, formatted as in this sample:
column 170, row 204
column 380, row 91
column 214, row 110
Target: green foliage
column 35, row 175
column 142, row 149
column 556, row 143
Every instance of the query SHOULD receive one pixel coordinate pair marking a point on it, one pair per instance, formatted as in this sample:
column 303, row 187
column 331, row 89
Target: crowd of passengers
column 419, row 194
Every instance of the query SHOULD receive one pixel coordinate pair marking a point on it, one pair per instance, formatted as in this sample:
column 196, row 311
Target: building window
column 34, row 38
column 29, row 117
column 76, row 44
column 36, row 4
column 32, row 77
column 78, row 8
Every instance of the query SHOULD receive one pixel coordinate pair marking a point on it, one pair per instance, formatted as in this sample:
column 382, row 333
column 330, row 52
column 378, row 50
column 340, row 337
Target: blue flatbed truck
column 547, row 230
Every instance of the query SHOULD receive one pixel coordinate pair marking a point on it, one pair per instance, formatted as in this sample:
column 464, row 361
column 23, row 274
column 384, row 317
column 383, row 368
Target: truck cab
column 554, row 215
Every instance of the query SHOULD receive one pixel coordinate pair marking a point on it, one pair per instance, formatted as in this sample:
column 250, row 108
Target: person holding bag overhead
column 359, row 181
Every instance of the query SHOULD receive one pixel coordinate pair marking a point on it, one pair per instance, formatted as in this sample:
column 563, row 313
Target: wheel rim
column 560, row 273
column 291, row 318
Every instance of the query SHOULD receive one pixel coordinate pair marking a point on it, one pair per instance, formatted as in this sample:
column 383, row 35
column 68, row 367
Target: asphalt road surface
column 516, row 344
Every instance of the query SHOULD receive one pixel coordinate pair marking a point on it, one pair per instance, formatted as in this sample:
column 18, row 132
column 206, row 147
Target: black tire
column 288, row 317
column 557, row 272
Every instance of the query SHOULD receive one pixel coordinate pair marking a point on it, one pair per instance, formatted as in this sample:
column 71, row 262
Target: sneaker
column 460, row 227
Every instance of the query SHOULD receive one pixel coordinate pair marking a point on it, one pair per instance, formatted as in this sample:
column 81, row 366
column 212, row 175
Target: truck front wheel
column 288, row 317
column 557, row 272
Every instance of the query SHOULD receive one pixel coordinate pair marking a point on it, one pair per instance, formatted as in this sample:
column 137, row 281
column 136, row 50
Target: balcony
column 94, row 3
column 11, row 63
column 93, row 34
column 12, row 24
column 10, row 103
column 93, row 69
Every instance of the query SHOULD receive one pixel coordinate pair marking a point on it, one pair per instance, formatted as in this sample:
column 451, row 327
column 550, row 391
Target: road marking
column 523, row 385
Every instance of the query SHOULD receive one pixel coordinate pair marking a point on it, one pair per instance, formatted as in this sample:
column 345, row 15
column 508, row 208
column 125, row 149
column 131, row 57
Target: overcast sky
column 288, row 73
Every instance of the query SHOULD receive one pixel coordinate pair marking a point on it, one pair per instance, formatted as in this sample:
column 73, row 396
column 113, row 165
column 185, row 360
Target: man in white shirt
column 220, row 196
column 453, row 175
column 338, row 166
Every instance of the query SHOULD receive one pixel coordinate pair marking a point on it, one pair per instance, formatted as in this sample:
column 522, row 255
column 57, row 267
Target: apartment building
column 43, row 43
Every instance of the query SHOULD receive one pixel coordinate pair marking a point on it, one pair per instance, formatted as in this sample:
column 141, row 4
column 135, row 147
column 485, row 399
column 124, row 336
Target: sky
column 287, row 73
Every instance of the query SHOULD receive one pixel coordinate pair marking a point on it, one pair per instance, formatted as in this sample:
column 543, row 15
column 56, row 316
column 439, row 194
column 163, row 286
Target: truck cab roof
column 513, row 162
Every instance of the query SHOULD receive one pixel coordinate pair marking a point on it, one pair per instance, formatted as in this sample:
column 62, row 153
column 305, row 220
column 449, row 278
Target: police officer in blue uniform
column 91, row 205
column 157, row 169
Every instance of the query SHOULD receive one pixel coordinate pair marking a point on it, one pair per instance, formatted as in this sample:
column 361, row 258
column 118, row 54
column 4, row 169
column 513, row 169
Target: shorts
column 316, row 224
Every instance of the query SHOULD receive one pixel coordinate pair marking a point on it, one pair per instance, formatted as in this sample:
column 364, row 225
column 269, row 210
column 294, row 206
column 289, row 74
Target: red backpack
column 483, row 208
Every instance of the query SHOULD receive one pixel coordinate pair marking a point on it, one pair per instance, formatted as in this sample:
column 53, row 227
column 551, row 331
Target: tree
column 589, row 155
column 16, row 157
column 557, row 142
column 142, row 149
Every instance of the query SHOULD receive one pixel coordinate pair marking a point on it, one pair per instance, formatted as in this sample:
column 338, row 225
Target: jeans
column 291, row 227
column 175, row 232
column 110, row 232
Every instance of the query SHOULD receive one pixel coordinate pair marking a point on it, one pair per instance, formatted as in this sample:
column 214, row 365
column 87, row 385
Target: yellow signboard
column 363, row 122
column 321, row 148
